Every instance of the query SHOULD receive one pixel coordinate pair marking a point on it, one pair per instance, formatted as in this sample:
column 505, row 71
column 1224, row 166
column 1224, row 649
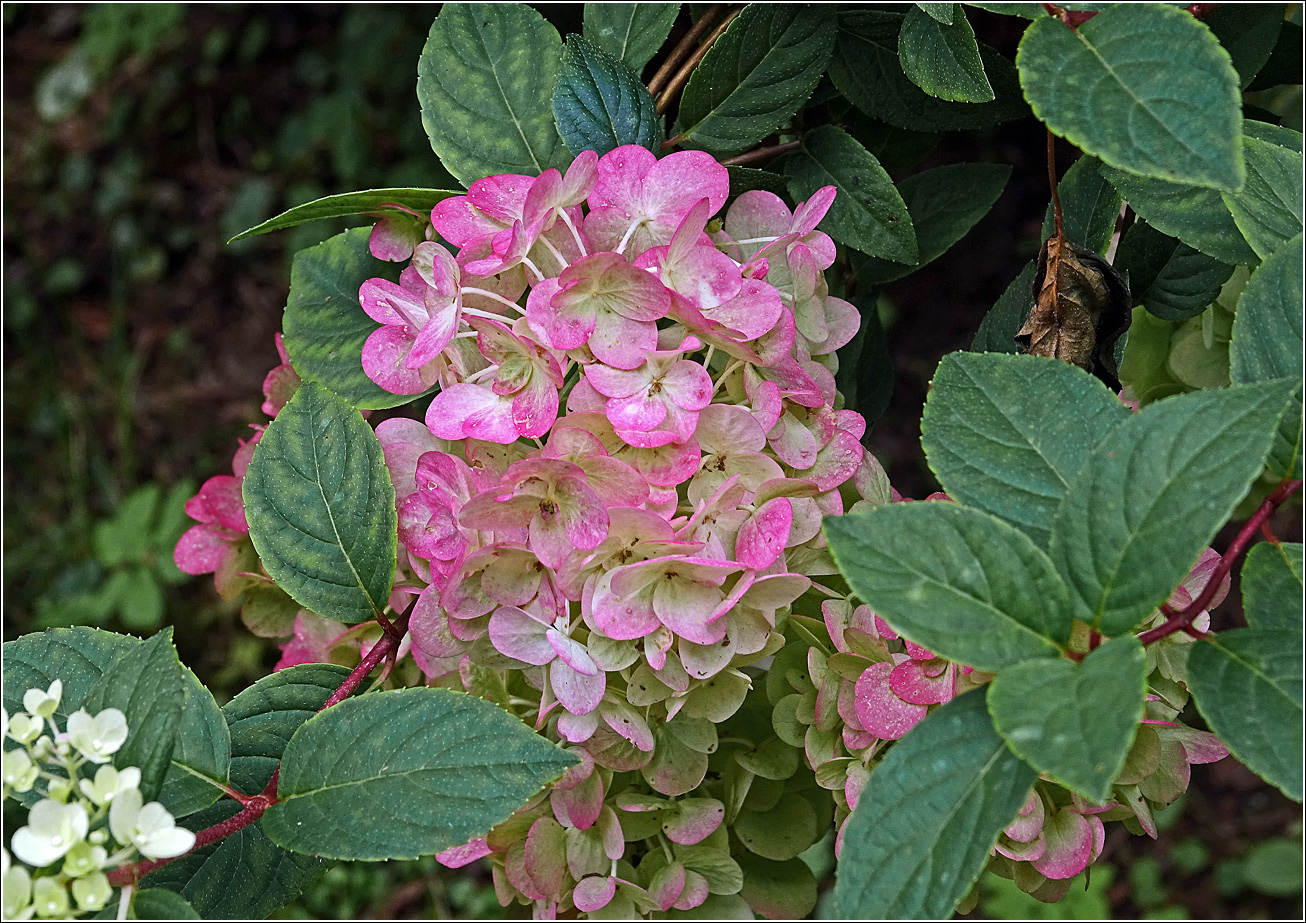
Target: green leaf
column 1173, row 97
column 1023, row 10
column 246, row 875
column 321, row 507
column 953, row 579
column 325, row 326
column 1166, row 276
column 145, row 683
column 778, row 890
column 1267, row 329
column 1272, row 586
column 202, row 752
column 137, row 597
column 744, row 179
column 997, row 331
column 599, row 103
column 868, row 213
column 865, row 376
column 1089, row 206
column 1008, row 434
column 942, row 12
column 1285, row 64
column 756, row 75
column 866, row 68
column 1248, row 31
column 1268, row 209
column 930, row 814
column 160, row 904
column 1076, row 722
column 630, row 32
column 126, row 537
column 944, row 204
column 1247, row 684
column 439, row 767
column 485, row 81
column 373, row 202
column 1153, row 494
column 1195, row 215
column 941, row 56
column 1274, row 134
column 77, row 657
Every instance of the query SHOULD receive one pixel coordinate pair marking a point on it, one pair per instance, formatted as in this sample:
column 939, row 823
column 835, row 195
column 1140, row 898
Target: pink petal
column 694, row 820
column 593, row 893
column 685, row 606
column 466, row 854
column 385, row 361
column 1069, row 845
column 521, row 636
column 879, row 710
column 763, row 537
column 466, row 411
column 621, row 342
column 200, row 550
column 578, row 692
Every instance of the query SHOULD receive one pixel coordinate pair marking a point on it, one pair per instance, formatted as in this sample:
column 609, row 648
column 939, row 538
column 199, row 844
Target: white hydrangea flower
column 52, row 829
column 4, row 723
column 109, row 783
column 43, row 704
column 50, row 898
column 18, row 771
column 24, row 728
column 92, row 892
column 100, row 737
column 150, row 828
column 16, row 885
column 84, row 859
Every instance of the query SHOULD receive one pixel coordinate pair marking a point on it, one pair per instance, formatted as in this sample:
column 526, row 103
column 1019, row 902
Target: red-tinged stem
column 684, row 46
column 676, row 83
column 761, row 153
column 1269, row 534
column 1182, row 621
column 256, row 805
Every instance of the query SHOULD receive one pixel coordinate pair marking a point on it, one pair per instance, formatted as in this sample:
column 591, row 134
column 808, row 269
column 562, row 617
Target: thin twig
column 1052, row 181
column 682, row 76
column 1181, row 621
column 684, row 47
column 761, row 153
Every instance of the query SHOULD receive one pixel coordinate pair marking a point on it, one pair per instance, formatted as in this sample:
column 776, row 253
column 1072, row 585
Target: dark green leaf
column 1268, row 209
column 1248, row 31
column 868, row 213
column 744, row 179
column 944, row 203
column 77, row 657
column 321, row 507
column 866, row 69
column 755, row 76
column 137, row 597
column 942, row 12
column 126, row 537
column 144, row 682
column 373, row 202
column 1153, row 494
column 1272, row 586
column 1023, row 10
column 630, row 32
column 1274, row 134
column 246, row 875
column 942, row 58
column 1196, row 216
column 1247, row 684
column 202, row 752
column 1267, row 329
column 1169, row 278
column 325, row 326
column 161, row 904
column 1007, row 434
column 930, row 814
column 1285, row 64
column 1089, row 206
column 485, row 80
column 406, row 773
column 997, row 332
column 778, row 890
column 1173, row 96
column 953, row 579
column 599, row 103
column 1075, row 722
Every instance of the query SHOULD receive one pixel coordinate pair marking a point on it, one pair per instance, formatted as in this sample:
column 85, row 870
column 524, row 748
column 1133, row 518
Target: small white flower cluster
column 91, row 824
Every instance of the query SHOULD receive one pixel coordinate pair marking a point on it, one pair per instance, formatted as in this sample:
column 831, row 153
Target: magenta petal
column 639, row 412
column 1023, row 851
column 879, row 710
column 621, row 342
column 200, row 550
column 521, row 636
column 385, row 360
column 622, row 618
column 466, row 854
column 465, row 411
column 593, row 893
column 910, row 683
column 763, row 537
column 1069, row 845
column 694, row 821
column 579, row 693
column 388, row 303
column 688, row 385
column 535, row 408
column 434, row 337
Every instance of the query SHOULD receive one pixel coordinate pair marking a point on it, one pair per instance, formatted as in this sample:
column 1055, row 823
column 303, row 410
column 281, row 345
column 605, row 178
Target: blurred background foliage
column 139, row 138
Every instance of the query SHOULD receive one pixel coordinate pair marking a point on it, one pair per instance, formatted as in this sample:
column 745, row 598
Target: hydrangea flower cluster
column 611, row 508
column 78, row 824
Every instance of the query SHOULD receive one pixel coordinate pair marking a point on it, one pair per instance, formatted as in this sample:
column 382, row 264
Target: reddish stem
column 684, row 47
column 1182, row 621
column 1052, row 181
column 674, row 86
column 761, row 153
column 255, row 805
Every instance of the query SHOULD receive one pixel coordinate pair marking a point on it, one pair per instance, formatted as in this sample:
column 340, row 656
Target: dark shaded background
column 137, row 140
